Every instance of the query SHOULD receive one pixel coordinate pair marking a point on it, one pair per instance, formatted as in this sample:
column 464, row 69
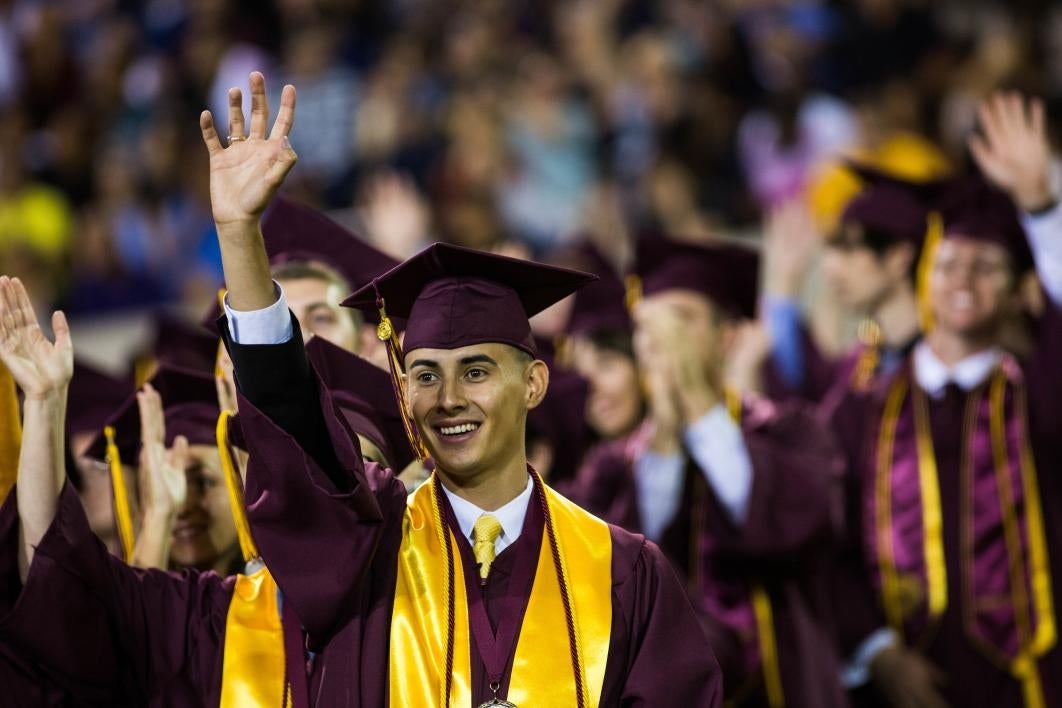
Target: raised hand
column 163, row 483
column 790, row 242
column 40, row 368
column 1013, row 151
column 245, row 175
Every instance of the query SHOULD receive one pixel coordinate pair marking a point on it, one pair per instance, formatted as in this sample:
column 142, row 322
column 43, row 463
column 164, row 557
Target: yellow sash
column 253, row 669
column 10, row 433
column 542, row 672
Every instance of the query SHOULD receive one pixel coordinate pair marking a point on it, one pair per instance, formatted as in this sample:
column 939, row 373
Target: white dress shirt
column 718, row 447
column 510, row 516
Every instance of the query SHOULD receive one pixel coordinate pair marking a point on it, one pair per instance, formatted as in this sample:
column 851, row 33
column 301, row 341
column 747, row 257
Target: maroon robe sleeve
column 659, row 654
column 820, row 373
column 317, row 510
column 110, row 634
column 795, row 504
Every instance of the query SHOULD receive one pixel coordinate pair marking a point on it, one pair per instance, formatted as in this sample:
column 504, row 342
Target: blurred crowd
column 501, row 124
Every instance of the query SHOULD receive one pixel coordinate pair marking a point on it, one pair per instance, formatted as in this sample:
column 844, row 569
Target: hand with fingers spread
column 40, row 368
column 163, row 482
column 245, row 175
column 1013, row 151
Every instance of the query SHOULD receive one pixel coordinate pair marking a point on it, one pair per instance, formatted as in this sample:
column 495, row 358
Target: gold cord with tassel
column 235, row 487
column 123, row 514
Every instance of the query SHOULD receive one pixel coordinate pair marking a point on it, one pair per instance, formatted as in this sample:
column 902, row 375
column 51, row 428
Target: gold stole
column 542, row 674
column 1034, row 642
column 10, row 433
column 254, row 670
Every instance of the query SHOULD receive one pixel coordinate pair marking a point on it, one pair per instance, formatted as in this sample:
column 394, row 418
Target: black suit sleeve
column 279, row 381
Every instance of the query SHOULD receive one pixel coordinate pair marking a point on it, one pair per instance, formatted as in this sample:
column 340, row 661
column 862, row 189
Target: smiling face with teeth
column 471, row 406
column 972, row 288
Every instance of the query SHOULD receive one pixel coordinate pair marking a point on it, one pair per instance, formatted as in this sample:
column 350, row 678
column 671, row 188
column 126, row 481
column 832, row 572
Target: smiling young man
column 486, row 586
column 954, row 498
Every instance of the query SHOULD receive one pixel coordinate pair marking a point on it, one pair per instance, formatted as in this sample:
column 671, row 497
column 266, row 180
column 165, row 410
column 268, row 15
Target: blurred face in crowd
column 204, row 534
column 96, row 490
column 315, row 301
column 701, row 328
column 972, row 287
column 615, row 405
column 861, row 277
column 471, row 404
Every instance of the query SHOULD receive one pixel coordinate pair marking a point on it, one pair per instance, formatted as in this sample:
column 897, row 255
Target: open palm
column 163, row 481
column 245, row 175
column 39, row 367
column 1013, row 151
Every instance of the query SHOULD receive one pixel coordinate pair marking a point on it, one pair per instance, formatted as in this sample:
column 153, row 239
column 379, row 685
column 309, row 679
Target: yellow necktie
column 485, row 532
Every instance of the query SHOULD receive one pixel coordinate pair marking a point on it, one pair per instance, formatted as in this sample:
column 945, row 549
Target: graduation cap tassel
column 10, row 433
column 123, row 514
column 934, row 235
column 235, row 487
column 385, row 332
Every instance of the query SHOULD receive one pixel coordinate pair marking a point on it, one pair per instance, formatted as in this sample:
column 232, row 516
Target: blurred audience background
column 511, row 125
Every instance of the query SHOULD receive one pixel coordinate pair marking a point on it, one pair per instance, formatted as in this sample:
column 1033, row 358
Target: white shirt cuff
column 270, row 325
column 1045, row 241
column 857, row 671
column 658, row 480
column 718, row 446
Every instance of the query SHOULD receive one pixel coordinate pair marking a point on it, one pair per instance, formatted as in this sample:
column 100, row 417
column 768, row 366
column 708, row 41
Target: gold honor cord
column 932, row 522
column 934, row 235
column 385, row 332
column 123, row 514
column 761, row 605
column 1030, row 645
column 10, row 433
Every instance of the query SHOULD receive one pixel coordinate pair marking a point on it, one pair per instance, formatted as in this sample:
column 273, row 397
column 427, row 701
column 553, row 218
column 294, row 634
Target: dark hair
column 613, row 340
column 305, row 270
column 852, row 234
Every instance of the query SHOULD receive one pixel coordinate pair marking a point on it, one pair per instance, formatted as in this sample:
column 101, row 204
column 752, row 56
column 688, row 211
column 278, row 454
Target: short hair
column 613, row 340
column 853, row 234
column 307, row 270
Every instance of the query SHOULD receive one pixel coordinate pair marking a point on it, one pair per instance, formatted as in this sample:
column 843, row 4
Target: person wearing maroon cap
column 869, row 263
column 485, row 587
column 737, row 490
column 952, row 492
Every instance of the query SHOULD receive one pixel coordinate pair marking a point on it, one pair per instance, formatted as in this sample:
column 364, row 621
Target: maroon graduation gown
column 973, row 680
column 329, row 527
column 785, row 542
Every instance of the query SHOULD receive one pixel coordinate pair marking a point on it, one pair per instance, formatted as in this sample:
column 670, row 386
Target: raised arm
column 43, row 371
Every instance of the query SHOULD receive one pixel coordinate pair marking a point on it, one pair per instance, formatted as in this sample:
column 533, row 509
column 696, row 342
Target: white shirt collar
column 933, row 375
column 511, row 515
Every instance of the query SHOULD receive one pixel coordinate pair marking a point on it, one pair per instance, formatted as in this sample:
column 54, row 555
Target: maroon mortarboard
column 190, row 407
column 296, row 233
column 365, row 398
column 561, row 420
column 182, row 345
column 453, row 297
column 887, row 205
column 972, row 208
column 600, row 306
column 93, row 397
column 726, row 273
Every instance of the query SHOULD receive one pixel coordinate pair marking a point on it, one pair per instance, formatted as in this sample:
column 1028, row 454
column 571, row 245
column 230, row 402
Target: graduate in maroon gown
column 738, row 491
column 954, row 499
column 869, row 263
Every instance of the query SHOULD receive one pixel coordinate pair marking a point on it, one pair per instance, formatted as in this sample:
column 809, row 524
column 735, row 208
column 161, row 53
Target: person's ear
column 537, row 380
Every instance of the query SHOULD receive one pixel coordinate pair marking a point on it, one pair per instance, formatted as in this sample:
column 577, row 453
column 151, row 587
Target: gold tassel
column 870, row 336
column 10, row 433
column 633, row 285
column 934, row 235
column 235, row 486
column 385, row 332
column 123, row 514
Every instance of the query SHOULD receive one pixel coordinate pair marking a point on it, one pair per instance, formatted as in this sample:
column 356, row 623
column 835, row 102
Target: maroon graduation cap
column 725, row 273
column 888, row 205
column 601, row 305
column 972, row 208
column 182, row 345
column 365, row 397
column 190, row 406
column 93, row 397
column 453, row 297
column 296, row 233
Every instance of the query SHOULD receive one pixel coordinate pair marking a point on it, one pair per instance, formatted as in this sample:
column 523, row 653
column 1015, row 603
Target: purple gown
column 973, row 680
column 784, row 545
